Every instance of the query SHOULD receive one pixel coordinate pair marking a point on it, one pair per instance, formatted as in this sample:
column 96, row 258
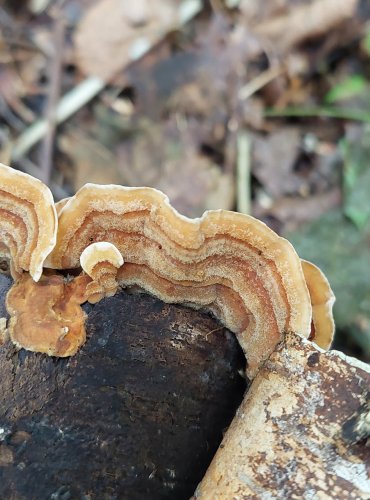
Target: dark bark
column 138, row 413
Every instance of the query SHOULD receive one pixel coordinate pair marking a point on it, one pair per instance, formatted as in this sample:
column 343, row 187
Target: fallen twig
column 55, row 76
column 243, row 195
column 260, row 81
column 87, row 90
column 68, row 105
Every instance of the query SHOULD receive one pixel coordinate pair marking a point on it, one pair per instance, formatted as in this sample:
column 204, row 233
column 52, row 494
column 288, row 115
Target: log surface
column 294, row 435
column 138, row 413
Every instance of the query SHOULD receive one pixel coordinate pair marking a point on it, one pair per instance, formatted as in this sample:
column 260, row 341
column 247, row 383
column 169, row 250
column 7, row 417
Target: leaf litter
column 168, row 93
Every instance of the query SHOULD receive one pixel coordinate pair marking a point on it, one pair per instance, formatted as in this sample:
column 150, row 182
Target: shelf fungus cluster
column 227, row 263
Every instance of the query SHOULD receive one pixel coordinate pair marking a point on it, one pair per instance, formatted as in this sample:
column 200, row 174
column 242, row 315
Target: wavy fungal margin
column 226, row 262
column 28, row 221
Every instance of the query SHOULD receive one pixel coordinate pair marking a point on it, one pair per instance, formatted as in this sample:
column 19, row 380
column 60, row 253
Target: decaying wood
column 138, row 413
column 294, row 435
column 140, row 410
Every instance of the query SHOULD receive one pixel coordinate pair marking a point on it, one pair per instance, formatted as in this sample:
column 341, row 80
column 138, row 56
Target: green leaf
column 352, row 86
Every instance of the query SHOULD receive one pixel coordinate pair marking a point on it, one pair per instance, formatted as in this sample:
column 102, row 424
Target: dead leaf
column 256, row 11
column 194, row 185
column 112, row 32
column 166, row 158
column 273, row 161
column 92, row 161
column 12, row 90
column 310, row 20
column 293, row 211
column 5, row 146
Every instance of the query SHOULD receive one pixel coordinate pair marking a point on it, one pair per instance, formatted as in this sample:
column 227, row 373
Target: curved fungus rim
column 229, row 263
column 101, row 261
column 322, row 300
column 213, row 262
column 28, row 221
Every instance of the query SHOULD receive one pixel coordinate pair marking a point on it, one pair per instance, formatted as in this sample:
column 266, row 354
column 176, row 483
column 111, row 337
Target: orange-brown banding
column 46, row 316
column 28, row 221
column 228, row 263
column 226, row 252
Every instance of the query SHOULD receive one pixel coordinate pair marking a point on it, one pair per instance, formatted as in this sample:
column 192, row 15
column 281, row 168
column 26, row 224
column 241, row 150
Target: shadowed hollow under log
column 139, row 412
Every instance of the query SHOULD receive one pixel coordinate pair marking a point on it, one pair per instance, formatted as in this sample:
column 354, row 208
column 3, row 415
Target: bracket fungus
column 322, row 300
column 231, row 264
column 101, row 262
column 28, row 221
column 228, row 263
column 46, row 316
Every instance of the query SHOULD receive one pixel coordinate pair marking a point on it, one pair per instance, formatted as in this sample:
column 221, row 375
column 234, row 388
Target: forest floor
column 260, row 107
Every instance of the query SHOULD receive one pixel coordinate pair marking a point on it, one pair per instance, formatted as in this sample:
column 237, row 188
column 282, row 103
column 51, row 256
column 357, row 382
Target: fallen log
column 302, row 430
column 137, row 407
column 139, row 412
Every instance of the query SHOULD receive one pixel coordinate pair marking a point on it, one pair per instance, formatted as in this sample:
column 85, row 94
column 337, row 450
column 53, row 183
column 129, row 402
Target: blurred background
column 257, row 106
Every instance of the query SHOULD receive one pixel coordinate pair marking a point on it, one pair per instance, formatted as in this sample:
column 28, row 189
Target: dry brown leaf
column 306, row 21
column 92, row 161
column 168, row 159
column 256, row 11
column 113, row 32
column 5, row 146
column 273, row 161
column 12, row 90
column 194, row 185
column 293, row 211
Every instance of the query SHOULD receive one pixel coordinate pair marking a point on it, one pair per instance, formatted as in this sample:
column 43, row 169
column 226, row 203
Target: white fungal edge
column 49, row 199
column 100, row 252
column 275, row 241
column 36, row 275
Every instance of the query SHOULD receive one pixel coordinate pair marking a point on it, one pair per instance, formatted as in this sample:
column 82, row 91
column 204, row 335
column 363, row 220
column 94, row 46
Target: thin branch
column 243, row 173
column 54, row 92
column 68, row 105
column 260, row 81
